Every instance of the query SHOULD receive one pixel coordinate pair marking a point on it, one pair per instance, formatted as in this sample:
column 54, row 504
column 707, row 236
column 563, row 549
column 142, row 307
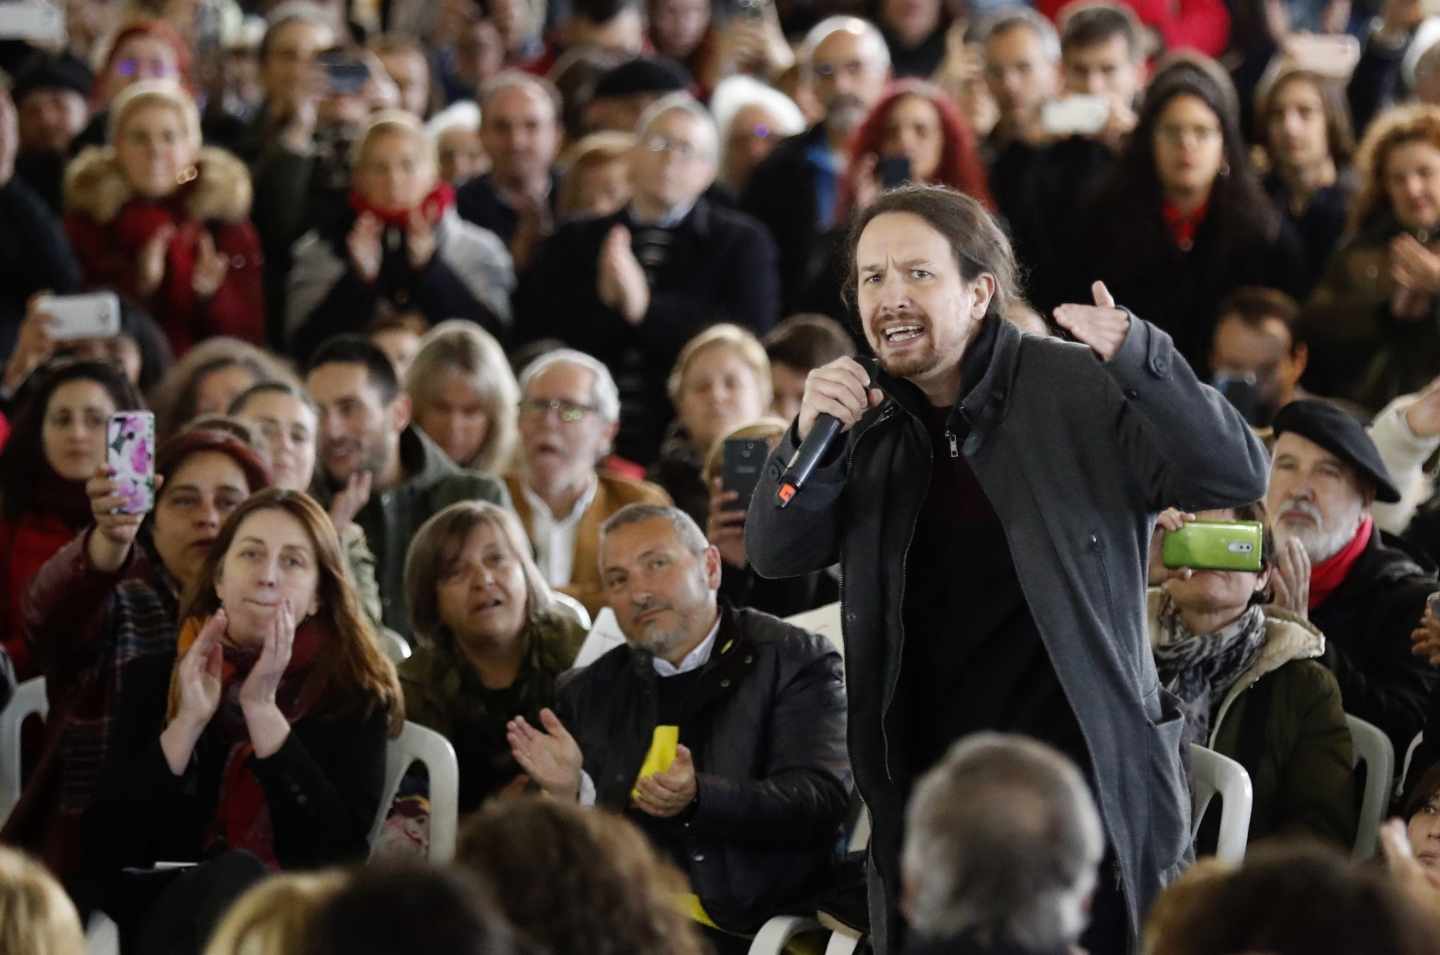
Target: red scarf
column 242, row 819
column 1183, row 226
column 1329, row 574
column 434, row 204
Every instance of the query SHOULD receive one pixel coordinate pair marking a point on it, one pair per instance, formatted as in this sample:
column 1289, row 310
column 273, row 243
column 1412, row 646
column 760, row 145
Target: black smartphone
column 893, row 171
column 345, row 72
column 744, row 459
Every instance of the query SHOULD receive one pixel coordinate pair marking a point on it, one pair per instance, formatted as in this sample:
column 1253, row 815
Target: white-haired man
column 793, row 191
column 631, row 288
column 1002, row 847
column 569, row 413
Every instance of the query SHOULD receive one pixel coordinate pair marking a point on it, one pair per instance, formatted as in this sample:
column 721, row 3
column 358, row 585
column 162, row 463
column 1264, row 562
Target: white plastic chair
column 778, row 930
column 103, row 935
column 1405, row 769
column 1371, row 747
column 824, row 621
column 394, row 646
column 29, row 700
column 417, row 743
column 575, row 607
column 1212, row 773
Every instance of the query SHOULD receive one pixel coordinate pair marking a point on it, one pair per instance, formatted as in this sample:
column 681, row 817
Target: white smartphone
column 1077, row 115
column 33, row 20
column 93, row 315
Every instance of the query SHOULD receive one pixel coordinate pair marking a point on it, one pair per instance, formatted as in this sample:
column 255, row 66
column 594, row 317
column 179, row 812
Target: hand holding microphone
column 837, row 396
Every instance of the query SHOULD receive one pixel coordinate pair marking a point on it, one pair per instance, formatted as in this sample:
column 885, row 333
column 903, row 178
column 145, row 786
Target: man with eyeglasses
column 632, row 287
column 793, row 191
column 569, row 414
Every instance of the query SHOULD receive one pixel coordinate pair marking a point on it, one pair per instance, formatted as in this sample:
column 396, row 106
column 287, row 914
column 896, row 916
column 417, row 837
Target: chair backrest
column 1371, row 747
column 825, row 621
column 417, row 743
column 29, row 700
column 1212, row 773
column 394, row 646
column 575, row 607
column 1405, row 769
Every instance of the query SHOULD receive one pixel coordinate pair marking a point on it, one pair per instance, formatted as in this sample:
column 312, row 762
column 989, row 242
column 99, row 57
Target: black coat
column 771, row 767
column 1126, row 244
column 1076, row 457
column 781, row 195
column 1367, row 623
column 721, row 268
column 323, row 786
column 478, row 201
column 1319, row 227
column 34, row 256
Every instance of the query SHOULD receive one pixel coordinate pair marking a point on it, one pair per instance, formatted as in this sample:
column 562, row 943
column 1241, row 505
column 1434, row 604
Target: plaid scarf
column 1200, row 668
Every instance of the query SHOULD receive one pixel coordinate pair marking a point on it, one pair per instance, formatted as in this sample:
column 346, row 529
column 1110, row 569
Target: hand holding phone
column 95, row 315
column 743, row 460
column 1075, row 115
column 1215, row 545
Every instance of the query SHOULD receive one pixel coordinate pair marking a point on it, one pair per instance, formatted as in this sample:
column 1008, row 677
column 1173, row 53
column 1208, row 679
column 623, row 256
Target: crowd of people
column 476, row 331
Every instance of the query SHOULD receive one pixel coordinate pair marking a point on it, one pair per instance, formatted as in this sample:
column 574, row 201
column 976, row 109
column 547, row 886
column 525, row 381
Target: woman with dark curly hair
column 578, row 880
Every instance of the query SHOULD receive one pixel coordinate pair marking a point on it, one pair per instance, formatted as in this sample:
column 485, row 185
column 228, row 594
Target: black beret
column 1335, row 431
column 47, row 72
column 644, row 74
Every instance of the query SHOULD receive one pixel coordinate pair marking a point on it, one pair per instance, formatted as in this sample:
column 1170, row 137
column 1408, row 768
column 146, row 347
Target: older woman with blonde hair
column 595, row 176
column 275, row 917
column 36, row 916
column 165, row 220
column 1371, row 322
column 491, row 638
column 463, row 395
column 720, row 381
column 401, row 243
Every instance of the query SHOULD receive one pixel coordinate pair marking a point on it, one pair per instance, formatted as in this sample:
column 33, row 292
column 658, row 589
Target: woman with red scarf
column 401, row 244
column 166, row 222
column 57, row 443
column 273, row 742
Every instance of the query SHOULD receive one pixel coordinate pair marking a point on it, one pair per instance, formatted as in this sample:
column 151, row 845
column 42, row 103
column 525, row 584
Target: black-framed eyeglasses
column 569, row 411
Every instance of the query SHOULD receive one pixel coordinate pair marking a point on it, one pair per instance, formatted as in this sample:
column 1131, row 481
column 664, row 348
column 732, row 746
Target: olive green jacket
column 444, row 692
column 1302, row 781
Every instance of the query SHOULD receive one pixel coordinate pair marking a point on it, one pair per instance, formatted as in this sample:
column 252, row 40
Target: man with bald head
column 793, row 191
column 633, row 287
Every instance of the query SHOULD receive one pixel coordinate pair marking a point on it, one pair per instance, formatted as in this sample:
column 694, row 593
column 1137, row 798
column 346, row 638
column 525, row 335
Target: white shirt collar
column 538, row 504
column 695, row 659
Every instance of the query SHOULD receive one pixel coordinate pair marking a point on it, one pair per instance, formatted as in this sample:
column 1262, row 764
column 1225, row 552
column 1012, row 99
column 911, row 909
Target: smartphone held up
column 1216, row 545
column 130, row 455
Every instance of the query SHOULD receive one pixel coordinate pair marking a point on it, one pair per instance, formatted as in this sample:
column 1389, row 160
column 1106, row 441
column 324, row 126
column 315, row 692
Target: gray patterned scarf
column 1200, row 668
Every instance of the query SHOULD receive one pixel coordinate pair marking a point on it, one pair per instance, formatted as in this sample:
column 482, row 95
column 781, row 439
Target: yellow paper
column 663, row 746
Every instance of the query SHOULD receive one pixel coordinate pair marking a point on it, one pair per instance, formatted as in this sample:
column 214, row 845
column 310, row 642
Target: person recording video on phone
column 991, row 507
column 1252, row 681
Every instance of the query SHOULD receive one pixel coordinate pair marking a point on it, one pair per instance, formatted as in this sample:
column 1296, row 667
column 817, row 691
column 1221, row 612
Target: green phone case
column 1215, row 545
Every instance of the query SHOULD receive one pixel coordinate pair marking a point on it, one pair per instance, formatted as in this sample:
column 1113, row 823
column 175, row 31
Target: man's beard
column 658, row 643
column 1326, row 538
column 844, row 113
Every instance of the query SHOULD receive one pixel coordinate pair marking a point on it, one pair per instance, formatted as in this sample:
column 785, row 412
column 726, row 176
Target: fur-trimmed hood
column 95, row 186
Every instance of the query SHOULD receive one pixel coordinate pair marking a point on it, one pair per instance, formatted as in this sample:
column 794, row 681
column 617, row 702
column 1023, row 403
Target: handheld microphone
column 816, row 445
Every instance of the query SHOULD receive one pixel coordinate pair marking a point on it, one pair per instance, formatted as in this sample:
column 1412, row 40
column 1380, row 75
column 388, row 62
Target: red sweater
column 25, row 545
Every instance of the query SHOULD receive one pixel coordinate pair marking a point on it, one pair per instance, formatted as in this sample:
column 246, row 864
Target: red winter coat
column 26, row 543
column 108, row 225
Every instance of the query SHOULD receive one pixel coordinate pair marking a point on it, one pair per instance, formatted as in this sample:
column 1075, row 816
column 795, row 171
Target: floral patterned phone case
column 130, row 453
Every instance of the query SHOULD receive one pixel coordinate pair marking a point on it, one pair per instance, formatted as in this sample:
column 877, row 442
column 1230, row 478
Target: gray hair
column 295, row 11
column 603, row 393
column 685, row 103
column 829, row 26
column 1008, row 18
column 734, row 93
column 1003, row 832
column 518, row 79
column 687, row 532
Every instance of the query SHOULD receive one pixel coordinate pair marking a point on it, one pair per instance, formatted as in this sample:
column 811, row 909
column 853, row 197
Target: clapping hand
column 1425, row 638
column 550, row 757
column 198, row 676
column 1413, row 266
column 670, row 793
column 267, row 725
column 1102, row 326
column 150, row 267
column 363, row 243
column 1291, row 578
column 210, row 267
column 420, row 239
column 621, row 282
